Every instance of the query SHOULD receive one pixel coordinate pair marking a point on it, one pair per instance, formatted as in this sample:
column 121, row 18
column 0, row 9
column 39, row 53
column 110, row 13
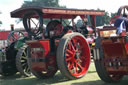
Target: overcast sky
column 6, row 6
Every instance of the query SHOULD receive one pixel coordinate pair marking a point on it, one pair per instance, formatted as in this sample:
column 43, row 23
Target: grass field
column 91, row 78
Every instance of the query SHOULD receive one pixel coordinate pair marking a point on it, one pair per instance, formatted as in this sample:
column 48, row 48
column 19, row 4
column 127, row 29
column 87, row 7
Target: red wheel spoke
column 80, row 66
column 69, row 58
column 70, row 52
column 70, row 66
column 73, row 48
column 74, row 69
column 67, row 55
column 76, row 66
column 78, row 60
column 77, row 46
column 69, row 45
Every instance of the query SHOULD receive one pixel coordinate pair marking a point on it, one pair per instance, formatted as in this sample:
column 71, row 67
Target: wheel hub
column 76, row 55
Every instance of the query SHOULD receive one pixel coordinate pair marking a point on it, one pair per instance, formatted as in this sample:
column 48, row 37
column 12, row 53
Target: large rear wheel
column 101, row 69
column 73, row 55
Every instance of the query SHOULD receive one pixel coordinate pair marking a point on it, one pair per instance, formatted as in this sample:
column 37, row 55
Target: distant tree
column 46, row 3
column 113, row 14
column 101, row 20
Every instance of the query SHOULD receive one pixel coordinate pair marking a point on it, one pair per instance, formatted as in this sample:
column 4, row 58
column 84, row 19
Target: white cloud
column 107, row 5
column 6, row 8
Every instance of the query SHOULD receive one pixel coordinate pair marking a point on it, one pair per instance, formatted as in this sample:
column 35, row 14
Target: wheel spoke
column 27, row 69
column 72, row 46
column 77, row 46
column 80, row 66
column 13, row 38
column 23, row 61
column 69, row 51
column 24, row 65
column 69, row 45
column 23, row 57
column 69, row 59
column 70, row 65
column 78, row 60
column 67, row 55
column 37, row 25
column 76, row 68
column 33, row 22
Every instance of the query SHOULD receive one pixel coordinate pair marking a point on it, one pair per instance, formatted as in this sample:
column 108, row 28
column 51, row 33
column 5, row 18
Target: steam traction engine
column 111, row 52
column 60, row 45
column 13, row 56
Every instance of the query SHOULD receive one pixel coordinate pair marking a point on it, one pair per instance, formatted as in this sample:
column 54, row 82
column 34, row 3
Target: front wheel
column 21, row 61
column 73, row 55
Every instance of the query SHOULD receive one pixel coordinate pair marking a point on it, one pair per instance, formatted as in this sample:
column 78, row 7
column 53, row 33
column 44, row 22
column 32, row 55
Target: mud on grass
column 91, row 78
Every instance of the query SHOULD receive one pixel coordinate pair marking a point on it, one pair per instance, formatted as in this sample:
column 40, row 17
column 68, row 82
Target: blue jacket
column 119, row 20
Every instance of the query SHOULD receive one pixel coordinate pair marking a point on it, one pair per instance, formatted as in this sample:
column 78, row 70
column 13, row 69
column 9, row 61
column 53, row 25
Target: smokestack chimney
column 12, row 27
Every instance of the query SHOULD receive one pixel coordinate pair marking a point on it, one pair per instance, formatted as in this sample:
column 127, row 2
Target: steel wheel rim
column 33, row 22
column 77, row 56
column 24, row 64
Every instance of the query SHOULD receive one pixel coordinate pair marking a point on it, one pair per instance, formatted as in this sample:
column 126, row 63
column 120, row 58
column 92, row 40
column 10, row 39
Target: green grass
column 91, row 78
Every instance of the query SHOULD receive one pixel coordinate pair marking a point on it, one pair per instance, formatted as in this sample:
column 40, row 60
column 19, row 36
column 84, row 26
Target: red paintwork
column 115, row 54
column 126, row 47
column 45, row 54
column 58, row 13
column 39, row 66
column 4, row 35
column 113, row 47
column 115, row 51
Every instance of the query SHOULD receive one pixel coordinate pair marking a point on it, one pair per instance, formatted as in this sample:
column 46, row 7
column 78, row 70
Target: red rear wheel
column 73, row 55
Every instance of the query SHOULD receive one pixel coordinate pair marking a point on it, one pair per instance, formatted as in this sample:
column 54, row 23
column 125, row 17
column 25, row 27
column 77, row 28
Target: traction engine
column 111, row 51
column 60, row 45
